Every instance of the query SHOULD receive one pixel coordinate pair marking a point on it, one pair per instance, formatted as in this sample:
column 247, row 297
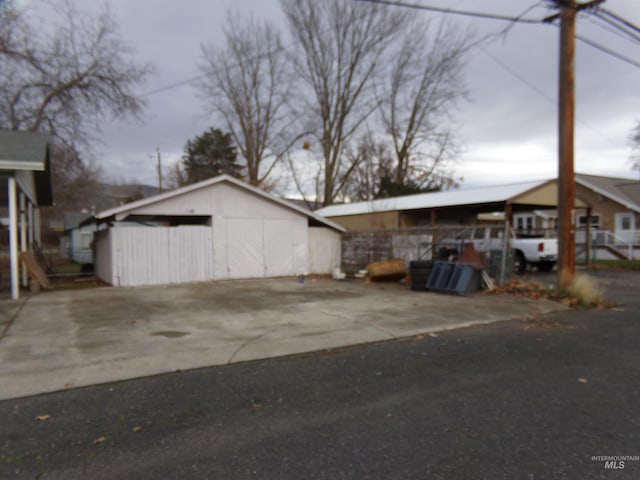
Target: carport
column 25, row 185
column 453, row 207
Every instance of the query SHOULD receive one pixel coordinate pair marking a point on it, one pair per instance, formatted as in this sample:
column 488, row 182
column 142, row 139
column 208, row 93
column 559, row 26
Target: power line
column 518, row 76
column 621, row 30
column 172, row 86
column 467, row 13
column 618, row 18
column 604, row 49
column 605, row 25
column 540, row 92
column 490, row 16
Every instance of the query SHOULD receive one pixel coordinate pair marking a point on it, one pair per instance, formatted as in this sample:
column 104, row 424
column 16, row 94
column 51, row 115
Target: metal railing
column 605, row 239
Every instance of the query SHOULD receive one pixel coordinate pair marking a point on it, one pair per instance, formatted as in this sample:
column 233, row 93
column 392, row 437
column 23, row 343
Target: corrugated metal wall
column 263, row 247
column 103, row 261
column 249, row 237
column 325, row 250
column 161, row 255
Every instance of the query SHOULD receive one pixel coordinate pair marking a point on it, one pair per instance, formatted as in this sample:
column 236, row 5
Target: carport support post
column 23, row 234
column 589, row 240
column 30, row 224
column 37, row 226
column 13, row 237
column 508, row 212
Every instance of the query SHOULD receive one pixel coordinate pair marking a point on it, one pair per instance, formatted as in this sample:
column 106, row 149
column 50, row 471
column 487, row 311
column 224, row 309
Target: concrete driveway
column 65, row 339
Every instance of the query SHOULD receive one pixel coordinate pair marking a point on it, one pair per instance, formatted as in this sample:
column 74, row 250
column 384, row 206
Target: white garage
column 217, row 229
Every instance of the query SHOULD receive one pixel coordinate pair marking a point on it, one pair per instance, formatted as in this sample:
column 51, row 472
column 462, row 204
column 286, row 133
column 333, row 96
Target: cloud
column 509, row 124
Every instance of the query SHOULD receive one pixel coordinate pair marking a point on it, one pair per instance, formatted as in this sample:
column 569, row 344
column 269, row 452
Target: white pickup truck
column 537, row 251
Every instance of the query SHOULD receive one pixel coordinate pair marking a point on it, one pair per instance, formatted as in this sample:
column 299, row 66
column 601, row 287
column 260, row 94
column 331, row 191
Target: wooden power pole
column 566, row 113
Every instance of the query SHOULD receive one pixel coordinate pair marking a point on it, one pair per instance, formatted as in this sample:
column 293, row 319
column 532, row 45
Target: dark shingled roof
column 28, row 151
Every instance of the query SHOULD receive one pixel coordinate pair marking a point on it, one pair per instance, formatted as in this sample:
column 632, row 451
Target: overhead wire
column 607, row 50
column 599, row 12
column 619, row 29
column 599, row 22
column 618, row 18
column 467, row 13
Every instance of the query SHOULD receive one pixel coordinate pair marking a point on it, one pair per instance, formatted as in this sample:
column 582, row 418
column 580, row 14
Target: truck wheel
column 519, row 263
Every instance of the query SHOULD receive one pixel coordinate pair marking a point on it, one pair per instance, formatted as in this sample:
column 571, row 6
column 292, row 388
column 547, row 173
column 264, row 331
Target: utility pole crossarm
column 578, row 7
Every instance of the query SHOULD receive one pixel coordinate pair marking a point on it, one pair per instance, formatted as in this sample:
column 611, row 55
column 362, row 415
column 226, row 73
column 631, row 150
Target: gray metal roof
column 624, row 191
column 23, row 150
column 124, row 209
column 26, row 151
column 472, row 196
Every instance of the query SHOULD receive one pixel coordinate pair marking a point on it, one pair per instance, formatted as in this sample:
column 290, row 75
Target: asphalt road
column 532, row 399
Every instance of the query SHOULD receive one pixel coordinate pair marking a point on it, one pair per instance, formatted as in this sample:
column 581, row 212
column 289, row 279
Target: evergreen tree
column 209, row 155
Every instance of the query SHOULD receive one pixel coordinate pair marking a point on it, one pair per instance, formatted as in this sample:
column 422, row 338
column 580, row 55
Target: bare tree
column 63, row 80
column 423, row 83
column 66, row 78
column 340, row 46
column 248, row 84
column 372, row 160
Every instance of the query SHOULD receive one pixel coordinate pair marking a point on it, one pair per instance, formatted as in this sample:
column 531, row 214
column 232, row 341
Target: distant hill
column 109, row 196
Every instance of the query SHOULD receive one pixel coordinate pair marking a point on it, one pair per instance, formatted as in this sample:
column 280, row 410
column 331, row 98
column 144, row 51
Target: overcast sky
column 508, row 124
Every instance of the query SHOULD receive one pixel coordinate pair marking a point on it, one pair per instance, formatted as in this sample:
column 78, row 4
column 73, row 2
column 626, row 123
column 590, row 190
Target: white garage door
column 245, row 251
column 262, row 248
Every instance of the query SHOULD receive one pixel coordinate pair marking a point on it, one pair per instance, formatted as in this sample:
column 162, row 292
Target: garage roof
column 121, row 211
column 451, row 198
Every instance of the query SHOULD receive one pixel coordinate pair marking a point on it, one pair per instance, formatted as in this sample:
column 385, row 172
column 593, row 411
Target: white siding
column 249, row 237
column 245, row 248
column 161, row 255
column 263, row 247
column 325, row 250
column 24, row 179
column 104, row 260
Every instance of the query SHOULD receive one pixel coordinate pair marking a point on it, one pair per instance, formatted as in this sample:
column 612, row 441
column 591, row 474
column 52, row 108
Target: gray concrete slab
column 64, row 339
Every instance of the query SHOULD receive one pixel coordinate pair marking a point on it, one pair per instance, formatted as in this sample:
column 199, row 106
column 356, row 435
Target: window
column 85, row 240
column 595, row 221
column 625, row 222
column 524, row 221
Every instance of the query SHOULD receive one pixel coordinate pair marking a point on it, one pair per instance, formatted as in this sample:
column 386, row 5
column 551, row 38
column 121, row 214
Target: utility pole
column 159, row 171
column 566, row 115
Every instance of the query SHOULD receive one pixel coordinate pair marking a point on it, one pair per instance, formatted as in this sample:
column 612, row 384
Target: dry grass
column 584, row 292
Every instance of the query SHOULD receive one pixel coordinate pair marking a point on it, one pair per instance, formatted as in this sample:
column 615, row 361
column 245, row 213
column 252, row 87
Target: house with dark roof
column 25, row 186
column 609, row 207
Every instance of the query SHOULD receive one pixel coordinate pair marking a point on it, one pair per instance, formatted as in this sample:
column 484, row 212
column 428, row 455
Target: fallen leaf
column 41, row 418
column 583, row 380
column 68, row 385
column 424, row 354
column 420, row 337
column 136, row 429
column 99, row 440
column 378, row 374
column 433, row 334
column 389, row 414
column 256, row 405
